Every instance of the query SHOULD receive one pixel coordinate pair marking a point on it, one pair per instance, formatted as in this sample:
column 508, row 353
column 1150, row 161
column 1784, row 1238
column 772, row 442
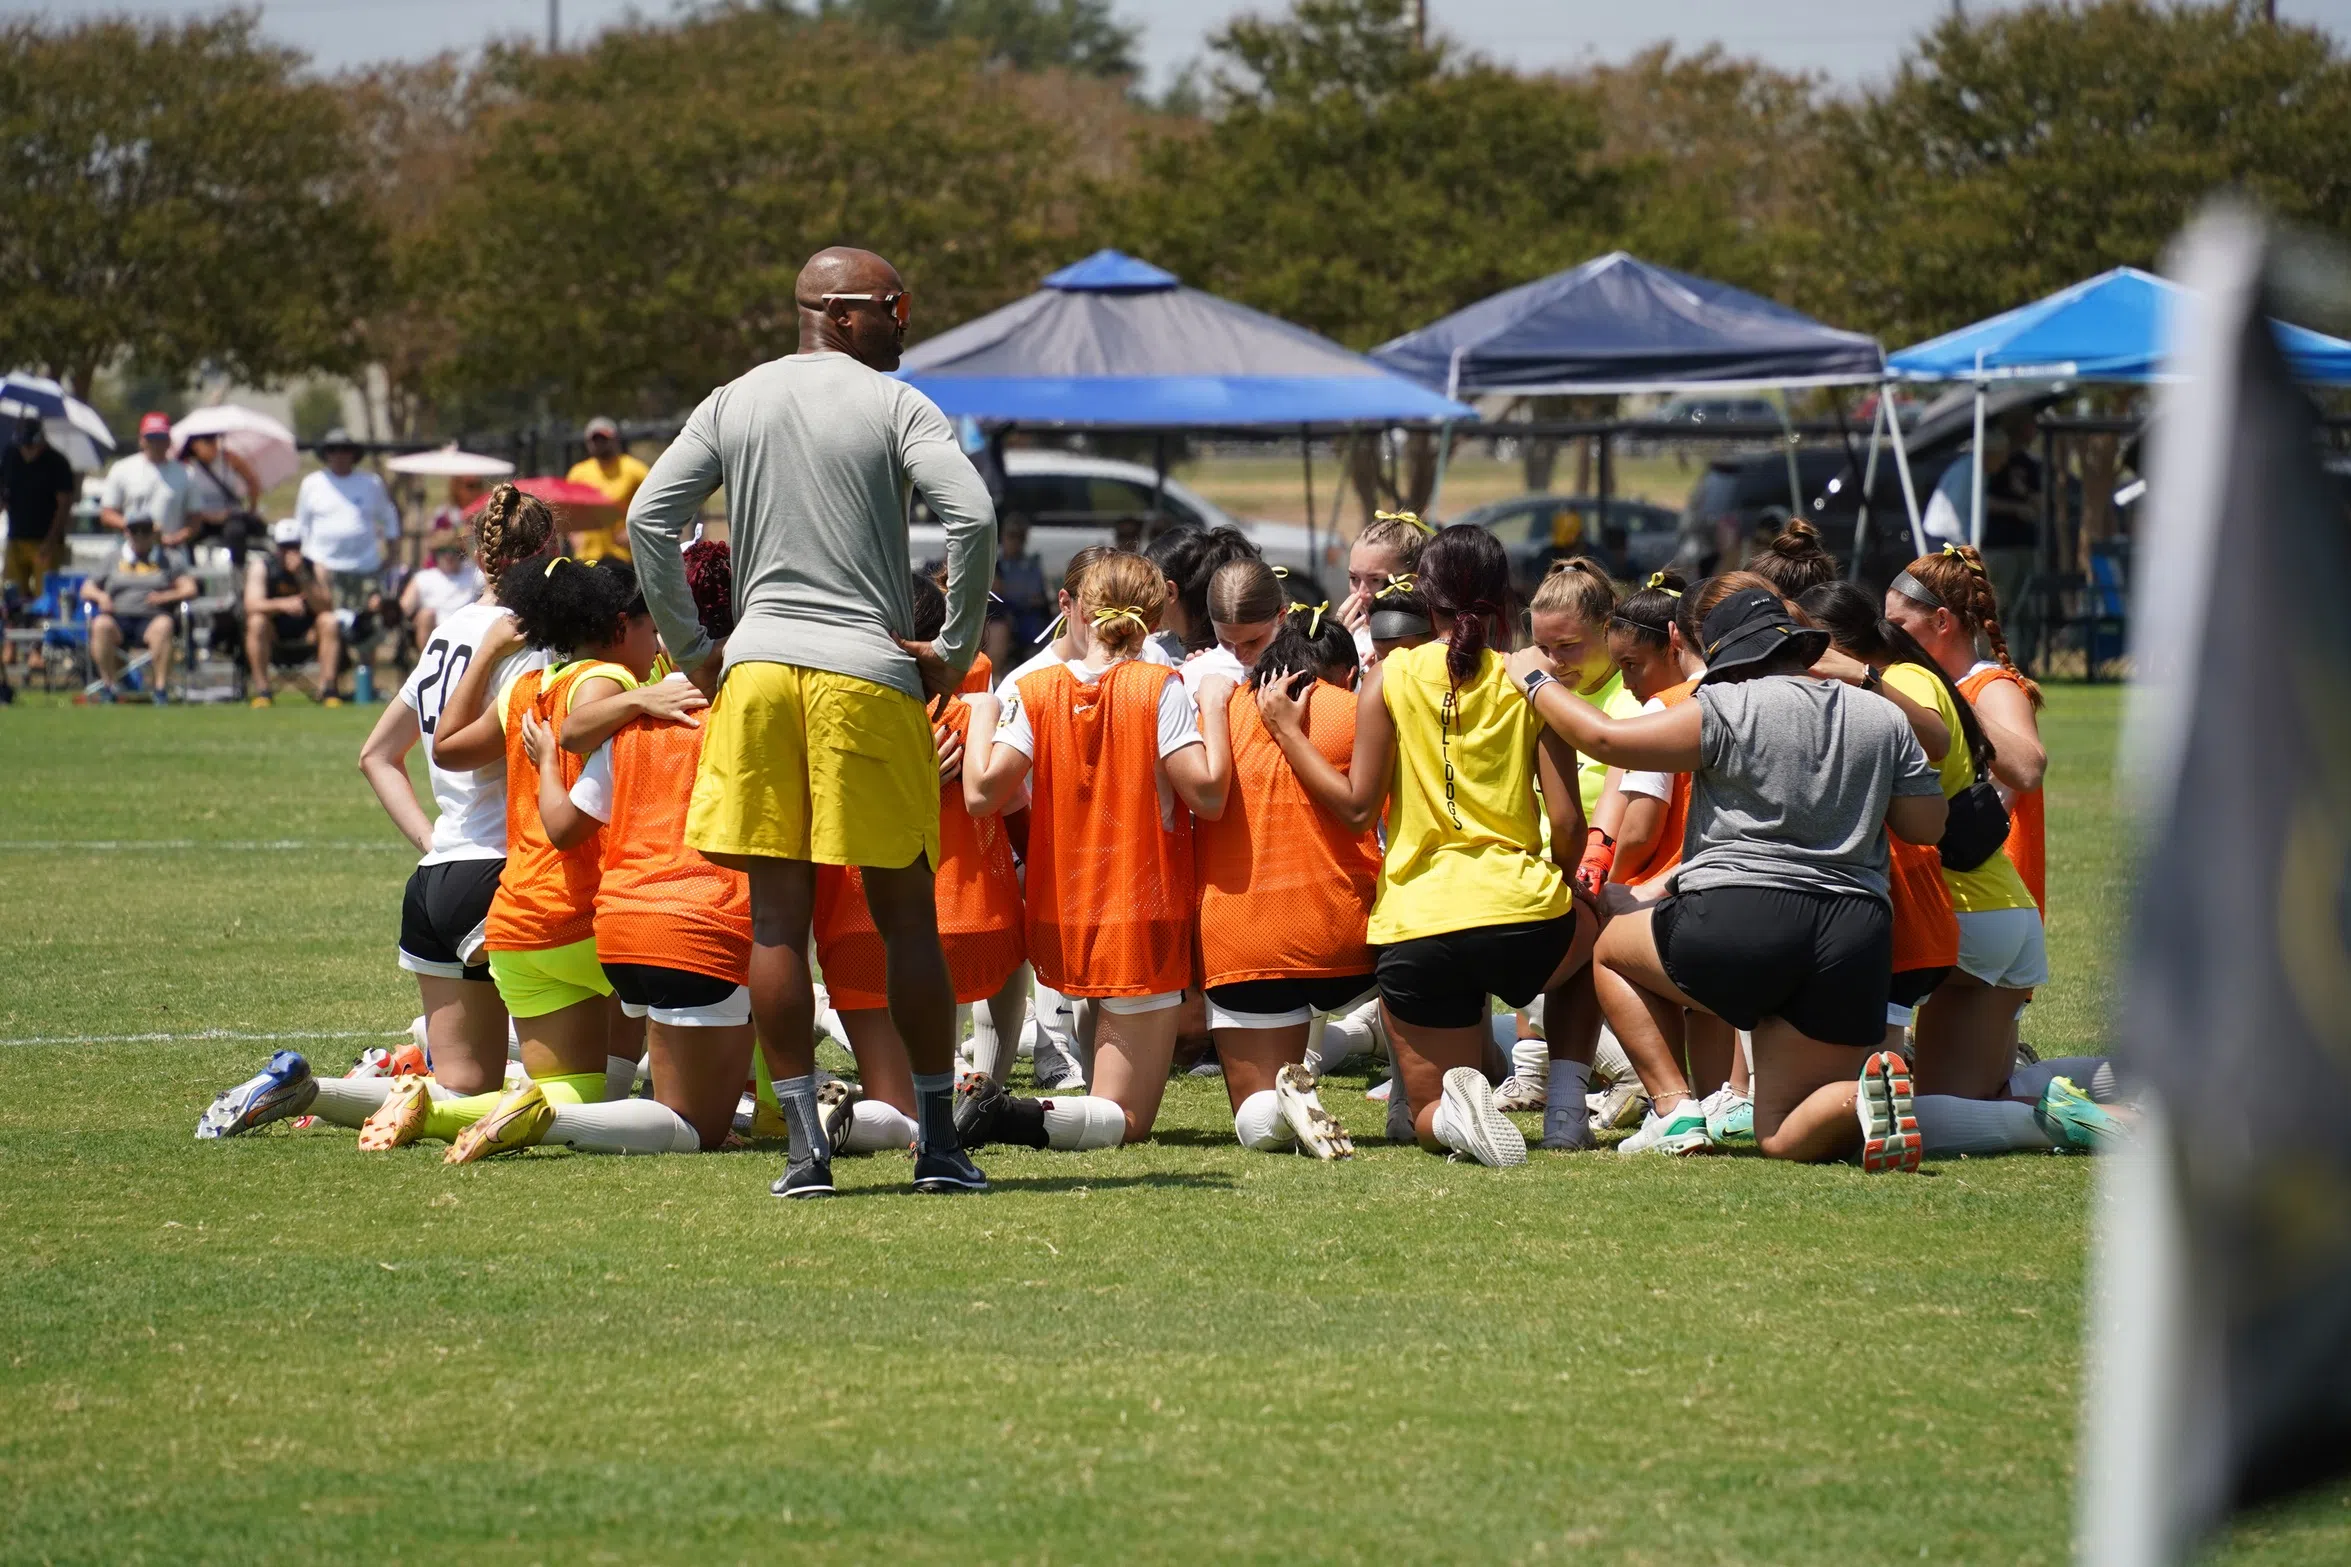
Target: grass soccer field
column 276, row 1349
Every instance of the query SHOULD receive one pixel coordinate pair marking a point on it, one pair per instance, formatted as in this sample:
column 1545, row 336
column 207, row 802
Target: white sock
column 1610, row 1065
column 2093, row 1075
column 349, row 1101
column 626, row 1125
column 1258, row 1123
column 1337, row 1041
column 1446, row 1130
column 990, row 1053
column 1076, row 1122
column 1530, row 1059
column 828, row 1021
column 875, row 1127
column 1949, row 1126
column 620, row 1076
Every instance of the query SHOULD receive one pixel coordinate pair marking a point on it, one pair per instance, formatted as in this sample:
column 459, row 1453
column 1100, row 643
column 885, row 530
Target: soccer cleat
column 1317, row 1133
column 518, row 1121
column 1493, row 1140
column 1618, row 1106
column 944, row 1170
column 836, row 1110
column 2074, row 1120
column 1730, row 1119
column 399, row 1120
column 805, row 1178
column 1521, row 1093
column 978, row 1104
column 262, row 701
column 1889, row 1123
column 280, row 1089
column 1682, row 1131
column 373, row 1062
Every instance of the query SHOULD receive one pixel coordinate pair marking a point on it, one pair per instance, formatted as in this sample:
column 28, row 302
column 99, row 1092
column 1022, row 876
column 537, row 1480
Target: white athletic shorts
column 733, row 1012
column 2005, row 948
column 1129, row 1006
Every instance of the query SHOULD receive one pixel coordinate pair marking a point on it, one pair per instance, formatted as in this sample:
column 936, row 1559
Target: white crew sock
column 1447, row 1130
column 1258, row 1123
column 1337, row 1041
column 1364, row 1022
column 620, row 1076
column 1610, row 1065
column 1056, row 1058
column 1530, row 1059
column 625, row 1125
column 1949, row 1126
column 1077, row 1122
column 2093, row 1075
column 349, row 1101
column 876, row 1127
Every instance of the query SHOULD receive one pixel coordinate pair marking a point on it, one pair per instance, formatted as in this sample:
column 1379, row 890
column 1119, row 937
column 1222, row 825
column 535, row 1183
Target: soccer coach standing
column 817, row 747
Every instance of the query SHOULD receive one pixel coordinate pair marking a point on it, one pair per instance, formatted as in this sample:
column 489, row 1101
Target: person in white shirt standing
column 147, row 485
column 441, row 589
column 346, row 518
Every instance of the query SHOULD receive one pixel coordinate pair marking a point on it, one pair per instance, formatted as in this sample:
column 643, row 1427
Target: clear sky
column 1849, row 40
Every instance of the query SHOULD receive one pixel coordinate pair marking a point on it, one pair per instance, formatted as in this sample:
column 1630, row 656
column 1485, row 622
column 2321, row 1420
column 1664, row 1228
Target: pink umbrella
column 556, row 492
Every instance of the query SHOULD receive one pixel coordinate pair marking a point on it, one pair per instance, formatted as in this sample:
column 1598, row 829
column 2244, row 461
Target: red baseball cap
column 154, row 424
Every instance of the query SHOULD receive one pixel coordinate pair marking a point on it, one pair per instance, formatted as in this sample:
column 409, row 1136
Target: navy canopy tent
column 1116, row 341
column 1621, row 324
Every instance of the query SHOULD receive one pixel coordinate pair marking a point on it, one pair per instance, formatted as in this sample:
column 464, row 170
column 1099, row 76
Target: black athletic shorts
column 671, row 989
column 442, row 915
column 1268, row 997
column 1443, row 981
column 1911, row 986
column 1819, row 961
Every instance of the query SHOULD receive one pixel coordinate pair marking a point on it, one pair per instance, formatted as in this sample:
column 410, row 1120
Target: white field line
column 206, row 1035
column 168, row 845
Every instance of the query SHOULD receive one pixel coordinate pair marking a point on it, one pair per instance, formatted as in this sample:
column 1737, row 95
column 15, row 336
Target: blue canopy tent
column 2115, row 327
column 1113, row 341
column 1620, row 324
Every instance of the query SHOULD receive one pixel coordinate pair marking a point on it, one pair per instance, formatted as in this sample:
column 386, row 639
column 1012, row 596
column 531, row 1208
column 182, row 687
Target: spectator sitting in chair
column 346, row 517
column 222, row 491
column 136, row 599
column 450, row 583
column 288, row 613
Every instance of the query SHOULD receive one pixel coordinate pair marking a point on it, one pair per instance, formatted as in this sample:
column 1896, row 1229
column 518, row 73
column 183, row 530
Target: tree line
column 531, row 236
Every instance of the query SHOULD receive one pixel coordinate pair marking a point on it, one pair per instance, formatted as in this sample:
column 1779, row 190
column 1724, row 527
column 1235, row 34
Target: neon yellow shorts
column 804, row 764
column 533, row 984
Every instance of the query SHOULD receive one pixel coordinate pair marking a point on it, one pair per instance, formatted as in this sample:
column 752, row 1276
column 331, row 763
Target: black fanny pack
column 1975, row 828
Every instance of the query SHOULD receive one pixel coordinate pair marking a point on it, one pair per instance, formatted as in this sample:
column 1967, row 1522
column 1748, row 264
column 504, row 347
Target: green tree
column 630, row 230
column 1029, row 35
column 2024, row 150
column 178, row 194
column 1352, row 181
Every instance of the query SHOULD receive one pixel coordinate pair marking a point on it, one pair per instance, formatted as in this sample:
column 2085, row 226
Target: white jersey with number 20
column 472, row 823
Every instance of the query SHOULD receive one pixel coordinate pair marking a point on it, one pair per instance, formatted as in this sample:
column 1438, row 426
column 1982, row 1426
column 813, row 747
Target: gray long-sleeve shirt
column 816, row 452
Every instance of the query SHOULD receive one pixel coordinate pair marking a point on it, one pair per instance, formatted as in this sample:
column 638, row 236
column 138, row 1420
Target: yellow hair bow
column 551, row 565
column 1111, row 614
column 1400, row 582
column 1281, row 571
column 1657, row 580
column 1411, row 517
column 1314, row 626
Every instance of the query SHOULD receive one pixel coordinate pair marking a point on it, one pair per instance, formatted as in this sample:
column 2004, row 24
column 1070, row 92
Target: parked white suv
column 1072, row 501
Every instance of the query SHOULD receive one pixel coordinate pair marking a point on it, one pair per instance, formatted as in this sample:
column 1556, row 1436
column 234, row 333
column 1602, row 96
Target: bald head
column 849, row 303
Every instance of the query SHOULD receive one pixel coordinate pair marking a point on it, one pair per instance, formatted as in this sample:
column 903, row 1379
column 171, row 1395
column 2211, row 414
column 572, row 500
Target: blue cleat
column 283, row 1088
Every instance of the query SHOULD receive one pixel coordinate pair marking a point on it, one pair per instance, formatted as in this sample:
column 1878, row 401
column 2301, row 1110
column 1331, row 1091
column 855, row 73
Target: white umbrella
column 450, row 463
column 73, row 426
column 266, row 445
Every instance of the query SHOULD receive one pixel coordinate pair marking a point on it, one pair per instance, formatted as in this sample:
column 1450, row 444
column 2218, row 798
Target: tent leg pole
column 1869, row 475
column 1306, row 460
column 1788, row 449
column 1918, row 532
column 1975, row 500
column 1444, row 460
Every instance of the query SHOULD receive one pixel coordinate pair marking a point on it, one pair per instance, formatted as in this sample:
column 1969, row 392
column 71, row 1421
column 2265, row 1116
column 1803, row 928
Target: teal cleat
column 2074, row 1120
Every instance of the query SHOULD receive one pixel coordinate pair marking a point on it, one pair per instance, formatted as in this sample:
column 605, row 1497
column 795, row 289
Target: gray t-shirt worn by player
column 1792, row 789
column 816, row 452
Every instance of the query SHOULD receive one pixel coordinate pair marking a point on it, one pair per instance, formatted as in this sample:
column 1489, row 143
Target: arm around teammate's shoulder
column 1356, row 796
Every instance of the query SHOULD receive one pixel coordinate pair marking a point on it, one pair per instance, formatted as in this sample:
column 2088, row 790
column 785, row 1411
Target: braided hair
column 512, row 527
column 1957, row 577
column 1465, row 574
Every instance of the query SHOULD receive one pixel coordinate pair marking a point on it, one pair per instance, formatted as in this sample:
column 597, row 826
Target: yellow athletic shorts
column 804, row 764
column 533, row 984
column 26, row 559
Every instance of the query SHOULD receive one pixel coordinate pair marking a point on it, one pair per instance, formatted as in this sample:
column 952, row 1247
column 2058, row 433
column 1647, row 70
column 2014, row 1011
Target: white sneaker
column 1617, row 1106
column 1479, row 1130
column 1378, row 1092
column 1521, row 1093
column 1683, row 1131
column 1302, row 1112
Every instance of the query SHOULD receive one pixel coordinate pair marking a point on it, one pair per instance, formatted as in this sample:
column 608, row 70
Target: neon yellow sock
column 763, row 1086
column 580, row 1088
column 447, row 1117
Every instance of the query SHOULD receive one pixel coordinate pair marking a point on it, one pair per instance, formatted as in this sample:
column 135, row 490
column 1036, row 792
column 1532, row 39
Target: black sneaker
column 947, row 1170
column 806, row 1178
column 977, row 1102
